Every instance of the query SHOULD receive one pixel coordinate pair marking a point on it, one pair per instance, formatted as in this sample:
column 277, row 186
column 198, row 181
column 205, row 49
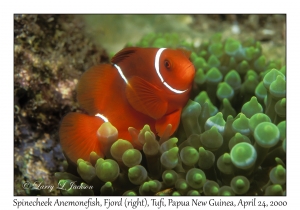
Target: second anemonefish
column 140, row 86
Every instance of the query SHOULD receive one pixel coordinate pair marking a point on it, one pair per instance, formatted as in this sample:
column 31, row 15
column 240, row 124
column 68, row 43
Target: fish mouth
column 188, row 70
column 190, row 66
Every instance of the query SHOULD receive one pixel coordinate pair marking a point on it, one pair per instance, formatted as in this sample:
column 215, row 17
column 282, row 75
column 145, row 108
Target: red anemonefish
column 140, row 86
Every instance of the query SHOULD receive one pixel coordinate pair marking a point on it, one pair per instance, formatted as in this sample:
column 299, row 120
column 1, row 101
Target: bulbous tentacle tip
column 240, row 185
column 107, row 130
column 119, row 147
column 107, row 170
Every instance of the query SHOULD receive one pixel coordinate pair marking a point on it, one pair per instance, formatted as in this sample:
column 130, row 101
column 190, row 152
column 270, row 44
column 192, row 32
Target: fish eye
column 167, row 64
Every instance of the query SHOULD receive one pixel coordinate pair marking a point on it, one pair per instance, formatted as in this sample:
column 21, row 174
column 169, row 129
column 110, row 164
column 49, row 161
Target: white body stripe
column 102, row 117
column 121, row 73
column 156, row 65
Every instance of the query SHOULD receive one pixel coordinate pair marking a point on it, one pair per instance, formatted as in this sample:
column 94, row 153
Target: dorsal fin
column 92, row 88
column 123, row 54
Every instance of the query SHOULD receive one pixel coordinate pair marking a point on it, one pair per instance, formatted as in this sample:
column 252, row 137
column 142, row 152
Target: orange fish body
column 141, row 86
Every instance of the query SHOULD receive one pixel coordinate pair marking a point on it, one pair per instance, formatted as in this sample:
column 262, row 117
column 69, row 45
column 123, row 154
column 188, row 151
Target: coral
column 50, row 53
column 231, row 139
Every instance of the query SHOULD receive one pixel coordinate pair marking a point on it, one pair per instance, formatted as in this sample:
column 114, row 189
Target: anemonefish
column 140, row 86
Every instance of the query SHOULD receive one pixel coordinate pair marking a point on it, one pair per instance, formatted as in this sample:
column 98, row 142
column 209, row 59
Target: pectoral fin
column 146, row 98
column 172, row 118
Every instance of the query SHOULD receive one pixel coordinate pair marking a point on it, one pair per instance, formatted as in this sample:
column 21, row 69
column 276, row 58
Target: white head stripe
column 172, row 89
column 102, row 117
column 121, row 73
column 156, row 65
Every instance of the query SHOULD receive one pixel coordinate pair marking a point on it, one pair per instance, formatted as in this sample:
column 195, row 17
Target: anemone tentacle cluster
column 231, row 139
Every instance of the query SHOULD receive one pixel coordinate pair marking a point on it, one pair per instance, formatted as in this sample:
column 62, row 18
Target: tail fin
column 78, row 136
